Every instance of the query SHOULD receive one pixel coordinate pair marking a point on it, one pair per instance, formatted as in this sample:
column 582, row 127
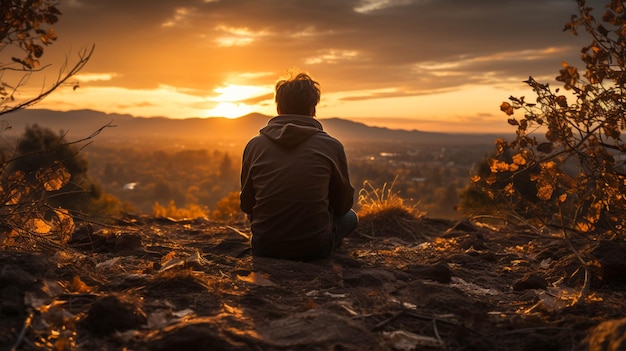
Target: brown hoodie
column 294, row 177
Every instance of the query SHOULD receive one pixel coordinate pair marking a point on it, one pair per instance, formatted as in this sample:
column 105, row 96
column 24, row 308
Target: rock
column 607, row 336
column 197, row 336
column 314, row 327
column 113, row 313
column 128, row 244
column 438, row 272
column 612, row 258
column 530, row 281
column 367, row 277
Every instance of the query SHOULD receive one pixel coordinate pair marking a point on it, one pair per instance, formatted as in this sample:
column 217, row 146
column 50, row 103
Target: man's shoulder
column 327, row 138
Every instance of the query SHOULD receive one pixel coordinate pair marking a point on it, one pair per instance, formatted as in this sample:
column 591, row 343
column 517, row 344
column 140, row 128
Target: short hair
column 297, row 95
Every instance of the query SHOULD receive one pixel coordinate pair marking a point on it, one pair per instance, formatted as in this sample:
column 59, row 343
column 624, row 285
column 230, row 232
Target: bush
column 188, row 212
column 565, row 167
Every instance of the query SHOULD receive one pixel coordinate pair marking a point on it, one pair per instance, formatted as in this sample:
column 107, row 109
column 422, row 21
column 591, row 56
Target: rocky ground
column 159, row 284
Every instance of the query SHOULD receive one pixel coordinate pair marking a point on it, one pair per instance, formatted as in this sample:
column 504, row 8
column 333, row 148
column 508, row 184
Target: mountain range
column 82, row 123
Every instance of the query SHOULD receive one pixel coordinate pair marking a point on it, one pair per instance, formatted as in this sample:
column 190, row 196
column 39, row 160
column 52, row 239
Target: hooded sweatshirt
column 294, row 178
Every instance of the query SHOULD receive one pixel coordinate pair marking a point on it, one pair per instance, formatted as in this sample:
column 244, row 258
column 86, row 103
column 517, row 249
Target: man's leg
column 344, row 225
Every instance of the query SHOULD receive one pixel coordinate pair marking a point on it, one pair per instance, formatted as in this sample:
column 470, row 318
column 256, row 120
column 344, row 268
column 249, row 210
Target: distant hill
column 81, row 123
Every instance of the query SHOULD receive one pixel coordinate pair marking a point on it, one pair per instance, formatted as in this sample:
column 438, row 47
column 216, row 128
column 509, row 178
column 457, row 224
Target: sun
column 230, row 110
column 231, row 100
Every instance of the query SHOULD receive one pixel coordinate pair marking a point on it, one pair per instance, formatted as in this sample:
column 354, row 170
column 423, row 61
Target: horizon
column 212, row 58
column 364, row 121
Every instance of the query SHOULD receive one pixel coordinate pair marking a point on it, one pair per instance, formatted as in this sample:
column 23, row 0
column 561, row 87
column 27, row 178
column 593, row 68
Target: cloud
column 94, row 77
column 358, row 48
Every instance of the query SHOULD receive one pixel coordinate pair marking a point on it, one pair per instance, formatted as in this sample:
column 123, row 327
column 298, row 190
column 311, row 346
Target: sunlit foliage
column 186, row 212
column 38, row 173
column 227, row 209
column 565, row 167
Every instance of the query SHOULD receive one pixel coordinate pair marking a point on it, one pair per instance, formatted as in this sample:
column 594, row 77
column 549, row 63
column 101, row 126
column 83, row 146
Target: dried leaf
column 255, row 278
column 544, row 192
column 77, row 285
column 55, row 178
column 64, row 224
column 507, row 108
column 519, row 159
column 546, row 148
column 39, row 226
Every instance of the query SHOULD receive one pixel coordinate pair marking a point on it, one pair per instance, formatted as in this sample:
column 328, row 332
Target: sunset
column 312, row 175
column 427, row 65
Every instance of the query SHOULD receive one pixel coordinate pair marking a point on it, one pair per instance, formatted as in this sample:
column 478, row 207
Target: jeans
column 343, row 225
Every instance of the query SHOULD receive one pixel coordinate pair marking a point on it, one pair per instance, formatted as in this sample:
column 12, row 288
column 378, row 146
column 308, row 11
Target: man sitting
column 295, row 187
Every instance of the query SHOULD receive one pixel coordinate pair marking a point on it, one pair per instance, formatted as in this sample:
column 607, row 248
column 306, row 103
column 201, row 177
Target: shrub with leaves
column 30, row 215
column 26, row 218
column 565, row 168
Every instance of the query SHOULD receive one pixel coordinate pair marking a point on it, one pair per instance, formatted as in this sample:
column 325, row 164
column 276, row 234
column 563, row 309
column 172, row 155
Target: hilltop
column 81, row 123
column 159, row 284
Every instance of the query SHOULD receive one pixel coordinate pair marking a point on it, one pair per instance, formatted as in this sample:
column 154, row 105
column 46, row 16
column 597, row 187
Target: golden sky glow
column 441, row 65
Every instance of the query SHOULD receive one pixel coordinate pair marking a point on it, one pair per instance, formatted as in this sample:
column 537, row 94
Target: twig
column 433, row 318
column 388, row 320
column 585, row 289
column 436, row 330
column 415, row 315
column 532, row 330
column 23, row 331
column 247, row 236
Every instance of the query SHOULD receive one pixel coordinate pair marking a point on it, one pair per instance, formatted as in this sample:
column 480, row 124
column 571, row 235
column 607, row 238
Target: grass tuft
column 384, row 213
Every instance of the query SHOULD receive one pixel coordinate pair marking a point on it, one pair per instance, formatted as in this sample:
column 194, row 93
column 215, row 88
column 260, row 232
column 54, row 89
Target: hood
column 291, row 130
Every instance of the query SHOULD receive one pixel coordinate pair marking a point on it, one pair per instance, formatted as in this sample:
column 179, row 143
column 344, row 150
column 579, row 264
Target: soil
column 160, row 284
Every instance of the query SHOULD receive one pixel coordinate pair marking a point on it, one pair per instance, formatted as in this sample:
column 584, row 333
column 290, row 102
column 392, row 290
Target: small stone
column 438, row 272
column 113, row 313
column 530, row 281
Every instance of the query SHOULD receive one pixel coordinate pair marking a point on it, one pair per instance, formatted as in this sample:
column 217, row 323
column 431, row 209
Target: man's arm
column 247, row 198
column 341, row 191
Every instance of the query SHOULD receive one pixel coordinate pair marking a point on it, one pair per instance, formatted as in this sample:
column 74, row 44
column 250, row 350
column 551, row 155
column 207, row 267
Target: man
column 295, row 187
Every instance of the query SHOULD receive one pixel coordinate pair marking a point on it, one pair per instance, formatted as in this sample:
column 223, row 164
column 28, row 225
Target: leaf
column 64, row 225
column 544, row 192
column 37, row 50
column 498, row 166
column 545, row 148
column 509, row 189
column 55, row 178
column 79, row 286
column 39, row 226
column 256, row 279
column 519, row 159
column 506, row 108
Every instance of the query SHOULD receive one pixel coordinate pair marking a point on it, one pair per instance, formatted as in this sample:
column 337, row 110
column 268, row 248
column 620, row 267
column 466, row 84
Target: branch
column 84, row 57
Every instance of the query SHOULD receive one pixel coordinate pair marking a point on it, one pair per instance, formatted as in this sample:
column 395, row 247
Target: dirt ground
column 159, row 284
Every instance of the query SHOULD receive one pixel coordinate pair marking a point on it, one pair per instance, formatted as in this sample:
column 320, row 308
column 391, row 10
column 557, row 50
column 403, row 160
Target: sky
column 432, row 65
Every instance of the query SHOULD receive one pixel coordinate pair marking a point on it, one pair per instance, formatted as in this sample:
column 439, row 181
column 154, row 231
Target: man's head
column 297, row 95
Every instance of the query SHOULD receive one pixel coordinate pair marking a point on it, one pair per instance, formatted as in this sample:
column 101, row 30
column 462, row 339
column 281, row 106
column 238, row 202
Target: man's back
column 294, row 179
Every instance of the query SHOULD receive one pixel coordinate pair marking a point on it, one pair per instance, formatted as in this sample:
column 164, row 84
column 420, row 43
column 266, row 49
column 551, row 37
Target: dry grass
column 383, row 213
